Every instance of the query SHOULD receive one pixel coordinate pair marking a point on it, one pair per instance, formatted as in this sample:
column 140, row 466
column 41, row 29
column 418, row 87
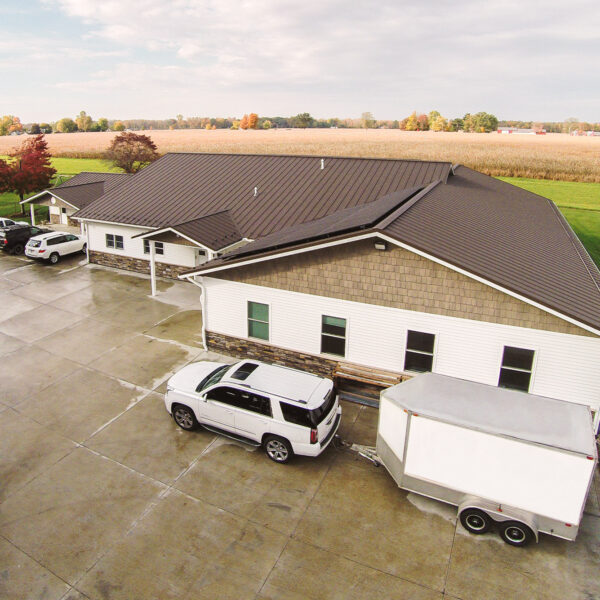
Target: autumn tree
column 10, row 124
column 252, row 121
column 29, row 169
column 84, row 121
column 422, row 123
column 131, row 151
column 411, row 123
column 119, row 126
column 244, row 122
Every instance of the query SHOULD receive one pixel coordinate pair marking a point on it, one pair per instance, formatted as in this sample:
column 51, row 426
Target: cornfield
column 553, row 156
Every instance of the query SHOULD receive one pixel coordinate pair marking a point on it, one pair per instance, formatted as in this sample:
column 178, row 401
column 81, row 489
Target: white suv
column 285, row 410
column 51, row 246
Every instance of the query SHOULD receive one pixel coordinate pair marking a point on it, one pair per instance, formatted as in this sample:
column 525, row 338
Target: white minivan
column 51, row 246
column 286, row 411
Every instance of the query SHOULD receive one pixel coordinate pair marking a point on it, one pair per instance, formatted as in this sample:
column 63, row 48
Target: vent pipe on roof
column 322, row 164
column 255, row 192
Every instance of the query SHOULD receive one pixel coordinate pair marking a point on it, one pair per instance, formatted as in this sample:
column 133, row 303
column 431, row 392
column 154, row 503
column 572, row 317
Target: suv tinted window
column 54, row 241
column 70, row 238
column 296, row 414
column 256, row 403
column 226, row 395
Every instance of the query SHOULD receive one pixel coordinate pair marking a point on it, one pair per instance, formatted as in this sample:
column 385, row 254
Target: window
column 515, row 372
column 244, row 371
column 212, row 378
column 255, row 403
column 114, row 241
column 59, row 239
column 71, row 238
column 241, row 399
column 419, row 351
column 159, row 247
column 258, row 320
column 333, row 335
column 296, row 414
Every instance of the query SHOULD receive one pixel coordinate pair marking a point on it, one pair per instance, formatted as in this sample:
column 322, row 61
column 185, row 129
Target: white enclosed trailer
column 507, row 459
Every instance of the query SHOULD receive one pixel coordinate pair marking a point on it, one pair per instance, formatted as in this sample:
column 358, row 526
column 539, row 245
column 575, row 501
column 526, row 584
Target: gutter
column 202, row 306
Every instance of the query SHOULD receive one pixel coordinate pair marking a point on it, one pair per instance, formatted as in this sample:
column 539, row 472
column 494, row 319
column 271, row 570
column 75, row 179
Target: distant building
column 521, row 131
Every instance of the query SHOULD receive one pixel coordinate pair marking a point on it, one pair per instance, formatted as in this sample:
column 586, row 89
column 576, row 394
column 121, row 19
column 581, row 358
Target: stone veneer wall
column 396, row 278
column 135, row 264
column 233, row 346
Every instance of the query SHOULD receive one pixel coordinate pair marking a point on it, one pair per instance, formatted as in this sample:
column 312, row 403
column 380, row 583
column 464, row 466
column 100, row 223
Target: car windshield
column 212, row 378
column 35, row 243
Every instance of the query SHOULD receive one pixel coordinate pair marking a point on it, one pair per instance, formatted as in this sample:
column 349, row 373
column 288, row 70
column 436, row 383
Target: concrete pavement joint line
column 450, row 556
column 37, row 562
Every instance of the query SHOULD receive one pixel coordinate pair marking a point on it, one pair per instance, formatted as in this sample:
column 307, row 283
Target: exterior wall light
column 380, row 246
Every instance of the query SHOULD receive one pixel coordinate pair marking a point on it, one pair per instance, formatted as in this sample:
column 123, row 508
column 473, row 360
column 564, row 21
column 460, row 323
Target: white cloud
column 388, row 57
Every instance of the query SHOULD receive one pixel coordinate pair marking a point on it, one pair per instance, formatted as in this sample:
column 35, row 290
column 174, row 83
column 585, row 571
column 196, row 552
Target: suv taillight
column 314, row 436
column 4, row 241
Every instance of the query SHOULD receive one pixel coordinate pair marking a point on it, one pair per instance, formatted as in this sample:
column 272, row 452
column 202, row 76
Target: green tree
column 103, row 124
column 395, row 124
column 367, row 121
column 266, row 124
column 45, row 128
column 66, row 125
column 84, row 121
column 35, row 129
column 303, row 120
column 485, row 122
column 118, row 126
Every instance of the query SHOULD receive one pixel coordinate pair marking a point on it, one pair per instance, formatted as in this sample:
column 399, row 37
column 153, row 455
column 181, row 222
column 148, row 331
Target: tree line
column 432, row 121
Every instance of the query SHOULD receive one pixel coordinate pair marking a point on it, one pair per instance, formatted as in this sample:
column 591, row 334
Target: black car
column 14, row 237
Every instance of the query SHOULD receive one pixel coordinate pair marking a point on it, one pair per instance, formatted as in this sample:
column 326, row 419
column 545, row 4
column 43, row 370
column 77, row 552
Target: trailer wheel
column 515, row 533
column 475, row 521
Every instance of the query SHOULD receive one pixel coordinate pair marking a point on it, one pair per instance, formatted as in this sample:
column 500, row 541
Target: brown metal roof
column 508, row 236
column 499, row 232
column 214, row 231
column 111, row 180
column 290, row 189
column 349, row 219
column 81, row 195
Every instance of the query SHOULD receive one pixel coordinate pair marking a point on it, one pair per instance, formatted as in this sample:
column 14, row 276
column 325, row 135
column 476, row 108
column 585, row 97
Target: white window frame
column 113, row 236
column 531, row 348
column 433, row 354
column 158, row 250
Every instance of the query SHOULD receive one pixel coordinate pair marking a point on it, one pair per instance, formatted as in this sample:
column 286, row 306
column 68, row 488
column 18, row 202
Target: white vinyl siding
column 566, row 366
column 174, row 254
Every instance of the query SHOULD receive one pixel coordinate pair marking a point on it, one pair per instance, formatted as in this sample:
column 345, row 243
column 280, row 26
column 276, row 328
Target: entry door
column 63, row 216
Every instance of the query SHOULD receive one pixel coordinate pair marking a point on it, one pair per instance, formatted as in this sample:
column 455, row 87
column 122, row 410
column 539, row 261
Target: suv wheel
column 54, row 258
column 278, row 449
column 84, row 249
column 184, row 417
column 18, row 249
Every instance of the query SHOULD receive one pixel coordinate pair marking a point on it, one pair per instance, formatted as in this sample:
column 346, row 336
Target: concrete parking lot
column 103, row 497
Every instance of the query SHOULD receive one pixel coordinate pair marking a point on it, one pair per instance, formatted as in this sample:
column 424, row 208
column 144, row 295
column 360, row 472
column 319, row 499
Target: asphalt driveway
column 103, row 497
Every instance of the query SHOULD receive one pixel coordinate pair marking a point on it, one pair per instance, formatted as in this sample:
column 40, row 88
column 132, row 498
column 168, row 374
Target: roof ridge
column 400, row 210
column 316, row 156
column 74, row 185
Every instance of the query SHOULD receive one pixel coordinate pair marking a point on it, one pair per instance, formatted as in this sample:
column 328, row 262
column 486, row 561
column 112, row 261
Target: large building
column 384, row 265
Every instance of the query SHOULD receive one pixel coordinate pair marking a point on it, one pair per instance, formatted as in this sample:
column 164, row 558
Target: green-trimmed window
column 258, row 320
column 333, row 335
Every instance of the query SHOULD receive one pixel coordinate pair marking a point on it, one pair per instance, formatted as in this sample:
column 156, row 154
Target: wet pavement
column 103, row 497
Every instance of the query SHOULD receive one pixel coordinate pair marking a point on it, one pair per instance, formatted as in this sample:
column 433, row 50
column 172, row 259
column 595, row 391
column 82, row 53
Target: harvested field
column 553, row 156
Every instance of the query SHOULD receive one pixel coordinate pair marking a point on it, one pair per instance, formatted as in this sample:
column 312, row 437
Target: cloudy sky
column 519, row 59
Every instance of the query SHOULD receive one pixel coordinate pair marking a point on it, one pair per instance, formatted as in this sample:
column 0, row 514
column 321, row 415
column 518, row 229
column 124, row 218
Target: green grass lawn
column 65, row 169
column 578, row 202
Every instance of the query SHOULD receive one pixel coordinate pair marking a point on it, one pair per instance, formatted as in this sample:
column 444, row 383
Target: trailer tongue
column 514, row 461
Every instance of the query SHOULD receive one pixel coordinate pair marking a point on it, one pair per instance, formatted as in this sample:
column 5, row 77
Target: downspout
column 202, row 307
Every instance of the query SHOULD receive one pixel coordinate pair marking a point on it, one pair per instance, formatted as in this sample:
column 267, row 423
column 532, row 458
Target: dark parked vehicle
column 14, row 238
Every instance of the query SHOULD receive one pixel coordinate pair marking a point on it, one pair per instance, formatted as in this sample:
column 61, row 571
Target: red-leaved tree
column 132, row 151
column 29, row 169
